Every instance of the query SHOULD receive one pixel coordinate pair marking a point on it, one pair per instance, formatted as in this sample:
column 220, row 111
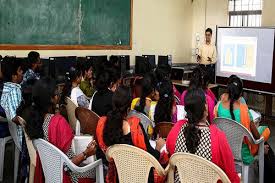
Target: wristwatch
column 85, row 155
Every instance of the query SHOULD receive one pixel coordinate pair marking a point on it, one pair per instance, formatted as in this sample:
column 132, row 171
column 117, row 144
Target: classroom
column 137, row 91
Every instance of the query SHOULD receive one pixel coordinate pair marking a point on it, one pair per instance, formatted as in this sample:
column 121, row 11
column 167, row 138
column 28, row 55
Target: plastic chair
column 133, row 164
column 193, row 168
column 235, row 134
column 3, row 142
column 163, row 129
column 88, row 120
column 17, row 147
column 145, row 121
column 53, row 159
column 71, row 112
column 31, row 150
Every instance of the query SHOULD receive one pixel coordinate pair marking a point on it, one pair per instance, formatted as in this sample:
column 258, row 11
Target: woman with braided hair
column 143, row 103
column 116, row 128
column 195, row 135
column 200, row 79
column 233, row 106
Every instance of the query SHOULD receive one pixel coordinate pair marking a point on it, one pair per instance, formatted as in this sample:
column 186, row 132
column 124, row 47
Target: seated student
column 54, row 129
column 12, row 95
column 163, row 72
column 115, row 128
column 32, row 74
column 200, row 79
column 143, row 103
column 73, row 90
column 115, row 77
column 101, row 102
column 166, row 102
column 196, row 136
column 86, row 84
column 232, row 107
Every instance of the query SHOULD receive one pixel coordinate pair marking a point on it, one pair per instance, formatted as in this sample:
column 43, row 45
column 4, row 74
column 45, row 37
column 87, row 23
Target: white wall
column 212, row 13
column 167, row 27
column 207, row 13
column 160, row 27
column 268, row 14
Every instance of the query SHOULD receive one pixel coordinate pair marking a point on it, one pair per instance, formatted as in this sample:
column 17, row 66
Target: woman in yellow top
column 143, row 103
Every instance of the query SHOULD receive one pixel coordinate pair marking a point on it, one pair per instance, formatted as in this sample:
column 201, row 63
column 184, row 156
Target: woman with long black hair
column 166, row 110
column 195, row 135
column 72, row 90
column 200, row 80
column 143, row 103
column 54, row 128
column 116, row 128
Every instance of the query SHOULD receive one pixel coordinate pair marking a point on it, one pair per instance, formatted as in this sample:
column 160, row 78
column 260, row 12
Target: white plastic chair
column 3, row 142
column 53, row 159
column 17, row 147
column 133, row 164
column 193, row 168
column 145, row 121
column 235, row 134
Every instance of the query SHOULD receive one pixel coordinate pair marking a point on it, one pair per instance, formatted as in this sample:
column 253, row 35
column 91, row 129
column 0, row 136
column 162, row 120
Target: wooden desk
column 180, row 83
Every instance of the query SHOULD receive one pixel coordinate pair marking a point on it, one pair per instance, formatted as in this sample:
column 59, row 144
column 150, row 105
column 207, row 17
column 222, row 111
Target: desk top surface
column 186, row 84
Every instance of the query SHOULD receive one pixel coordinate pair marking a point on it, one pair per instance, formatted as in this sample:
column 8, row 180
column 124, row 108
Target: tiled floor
column 8, row 170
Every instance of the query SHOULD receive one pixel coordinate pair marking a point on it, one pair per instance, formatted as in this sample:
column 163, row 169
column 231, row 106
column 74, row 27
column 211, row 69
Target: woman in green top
column 233, row 106
column 86, row 84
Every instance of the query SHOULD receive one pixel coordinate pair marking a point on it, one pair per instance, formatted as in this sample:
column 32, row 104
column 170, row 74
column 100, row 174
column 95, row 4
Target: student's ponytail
column 164, row 107
column 42, row 93
column 142, row 103
column 34, row 126
column 70, row 77
column 192, row 134
column 195, row 108
column 147, row 89
column 231, row 93
column 234, row 89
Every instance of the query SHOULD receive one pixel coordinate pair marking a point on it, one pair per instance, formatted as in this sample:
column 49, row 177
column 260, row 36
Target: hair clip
column 166, row 95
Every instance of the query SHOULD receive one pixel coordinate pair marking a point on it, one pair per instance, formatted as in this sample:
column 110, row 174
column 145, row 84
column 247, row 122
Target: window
column 245, row 13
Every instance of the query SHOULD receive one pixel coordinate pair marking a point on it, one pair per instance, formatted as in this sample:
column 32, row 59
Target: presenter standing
column 207, row 55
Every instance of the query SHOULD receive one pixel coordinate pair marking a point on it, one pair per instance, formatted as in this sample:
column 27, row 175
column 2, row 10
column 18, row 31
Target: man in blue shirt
column 34, row 65
column 12, row 95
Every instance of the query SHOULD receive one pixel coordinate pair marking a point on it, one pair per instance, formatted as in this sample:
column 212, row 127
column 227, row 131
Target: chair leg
column 99, row 174
column 2, row 158
column 16, row 163
column 261, row 162
column 31, row 175
column 245, row 171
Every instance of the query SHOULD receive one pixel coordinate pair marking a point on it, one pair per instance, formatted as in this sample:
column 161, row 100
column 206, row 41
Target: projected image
column 238, row 54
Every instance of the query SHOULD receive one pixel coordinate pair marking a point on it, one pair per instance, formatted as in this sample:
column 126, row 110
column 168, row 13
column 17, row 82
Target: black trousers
column 210, row 69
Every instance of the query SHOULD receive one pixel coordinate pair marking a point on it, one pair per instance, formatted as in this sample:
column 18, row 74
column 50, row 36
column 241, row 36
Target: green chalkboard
column 65, row 24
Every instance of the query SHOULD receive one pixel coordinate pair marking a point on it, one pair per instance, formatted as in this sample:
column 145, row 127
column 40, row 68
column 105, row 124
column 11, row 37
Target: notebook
column 80, row 144
column 256, row 116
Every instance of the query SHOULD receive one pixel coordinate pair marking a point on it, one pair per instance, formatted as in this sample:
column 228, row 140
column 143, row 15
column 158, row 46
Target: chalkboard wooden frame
column 73, row 47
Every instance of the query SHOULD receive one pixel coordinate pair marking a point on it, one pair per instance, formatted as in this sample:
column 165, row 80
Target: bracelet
column 85, row 155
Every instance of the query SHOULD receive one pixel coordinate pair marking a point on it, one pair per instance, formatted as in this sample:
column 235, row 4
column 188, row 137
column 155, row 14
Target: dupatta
column 60, row 135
